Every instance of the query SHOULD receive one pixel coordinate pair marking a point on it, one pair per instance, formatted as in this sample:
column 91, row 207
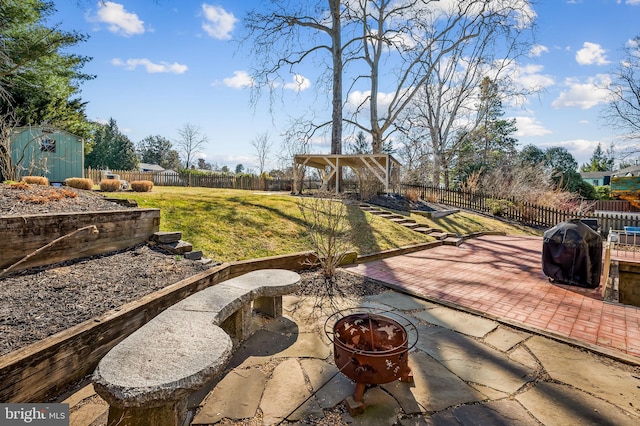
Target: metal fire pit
column 370, row 348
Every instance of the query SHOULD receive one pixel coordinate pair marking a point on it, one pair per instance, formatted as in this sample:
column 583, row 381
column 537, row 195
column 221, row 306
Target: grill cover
column 572, row 254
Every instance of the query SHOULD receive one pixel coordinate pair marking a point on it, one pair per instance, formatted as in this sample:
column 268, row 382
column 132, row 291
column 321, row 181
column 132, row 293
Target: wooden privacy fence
column 213, row 180
column 615, row 206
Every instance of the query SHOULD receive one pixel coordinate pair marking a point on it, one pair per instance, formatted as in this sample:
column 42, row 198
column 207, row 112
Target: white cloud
column 591, row 53
column 356, row 98
column 633, row 2
column 584, row 95
column 530, row 77
column 119, row 20
column 580, row 148
column 299, row 83
column 520, row 12
column 538, row 50
column 151, row 67
column 529, row 126
column 219, row 22
column 240, row 80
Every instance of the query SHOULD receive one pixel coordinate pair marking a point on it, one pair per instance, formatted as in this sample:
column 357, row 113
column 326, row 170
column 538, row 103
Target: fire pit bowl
column 370, row 348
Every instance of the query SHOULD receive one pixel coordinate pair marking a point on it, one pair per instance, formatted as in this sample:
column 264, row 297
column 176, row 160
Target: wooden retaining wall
column 119, row 229
column 42, row 370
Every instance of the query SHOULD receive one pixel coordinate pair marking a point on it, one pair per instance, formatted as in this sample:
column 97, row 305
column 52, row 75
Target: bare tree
column 190, row 143
column 416, row 158
column 434, row 41
column 450, row 75
column 262, row 145
column 290, row 33
column 623, row 110
column 297, row 141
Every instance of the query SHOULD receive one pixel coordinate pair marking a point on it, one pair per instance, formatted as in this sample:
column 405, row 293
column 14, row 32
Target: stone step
column 193, row 255
column 123, row 202
column 425, row 230
column 411, row 225
column 401, row 220
column 453, row 241
column 179, row 247
column 166, row 237
column 441, row 235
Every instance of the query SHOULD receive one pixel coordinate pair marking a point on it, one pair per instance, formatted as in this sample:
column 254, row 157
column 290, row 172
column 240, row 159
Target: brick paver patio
column 501, row 277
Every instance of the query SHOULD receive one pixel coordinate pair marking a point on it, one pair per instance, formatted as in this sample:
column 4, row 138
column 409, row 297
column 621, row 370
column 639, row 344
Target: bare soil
column 39, row 302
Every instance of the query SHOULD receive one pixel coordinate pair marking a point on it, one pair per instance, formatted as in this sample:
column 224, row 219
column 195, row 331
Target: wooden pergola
column 383, row 166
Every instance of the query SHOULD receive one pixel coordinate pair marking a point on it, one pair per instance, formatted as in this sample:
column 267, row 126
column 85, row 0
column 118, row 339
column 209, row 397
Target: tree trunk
column 336, row 51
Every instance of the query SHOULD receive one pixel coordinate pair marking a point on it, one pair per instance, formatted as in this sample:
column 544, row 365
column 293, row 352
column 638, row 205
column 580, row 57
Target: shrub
column 431, row 197
column 326, row 222
column 499, row 207
column 79, row 183
column 603, row 192
column 110, row 185
column 413, row 195
column 141, row 185
column 36, row 180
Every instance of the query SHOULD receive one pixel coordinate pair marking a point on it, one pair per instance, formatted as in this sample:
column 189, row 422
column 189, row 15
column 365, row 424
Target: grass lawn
column 235, row 225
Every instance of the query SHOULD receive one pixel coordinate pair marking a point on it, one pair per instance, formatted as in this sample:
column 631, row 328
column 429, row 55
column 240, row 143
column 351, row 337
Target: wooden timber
column 119, row 229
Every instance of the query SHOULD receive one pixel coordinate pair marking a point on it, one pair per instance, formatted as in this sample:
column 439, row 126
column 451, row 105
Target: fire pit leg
column 407, row 377
column 354, row 403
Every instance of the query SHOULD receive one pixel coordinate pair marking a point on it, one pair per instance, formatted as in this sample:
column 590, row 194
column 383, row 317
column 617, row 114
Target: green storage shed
column 47, row 151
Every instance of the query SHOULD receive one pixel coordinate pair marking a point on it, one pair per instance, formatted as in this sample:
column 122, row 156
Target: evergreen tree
column 111, row 149
column 360, row 145
column 489, row 144
column 531, row 155
column 158, row 150
column 599, row 162
column 39, row 79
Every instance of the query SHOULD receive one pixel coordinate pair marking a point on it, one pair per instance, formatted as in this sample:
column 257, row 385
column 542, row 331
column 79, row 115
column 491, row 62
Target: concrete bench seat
column 147, row 377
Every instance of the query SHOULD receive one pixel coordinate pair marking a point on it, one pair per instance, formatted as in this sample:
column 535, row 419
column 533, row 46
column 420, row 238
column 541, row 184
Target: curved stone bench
column 147, row 377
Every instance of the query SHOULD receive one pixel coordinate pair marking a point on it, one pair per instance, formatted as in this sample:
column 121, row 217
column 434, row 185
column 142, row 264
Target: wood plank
column 117, row 230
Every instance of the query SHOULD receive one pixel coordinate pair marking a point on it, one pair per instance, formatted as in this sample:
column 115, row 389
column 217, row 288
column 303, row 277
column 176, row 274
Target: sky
column 165, row 63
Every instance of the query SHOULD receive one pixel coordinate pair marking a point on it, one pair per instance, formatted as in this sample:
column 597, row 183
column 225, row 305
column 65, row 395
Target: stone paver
column 330, row 386
column 435, row 388
column 381, row 410
column 401, row 301
column 472, row 361
column 556, row 404
column 504, row 338
column 494, row 413
column 461, row 322
column 588, row 373
column 284, row 392
column 225, row 401
column 308, row 345
column 524, row 357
